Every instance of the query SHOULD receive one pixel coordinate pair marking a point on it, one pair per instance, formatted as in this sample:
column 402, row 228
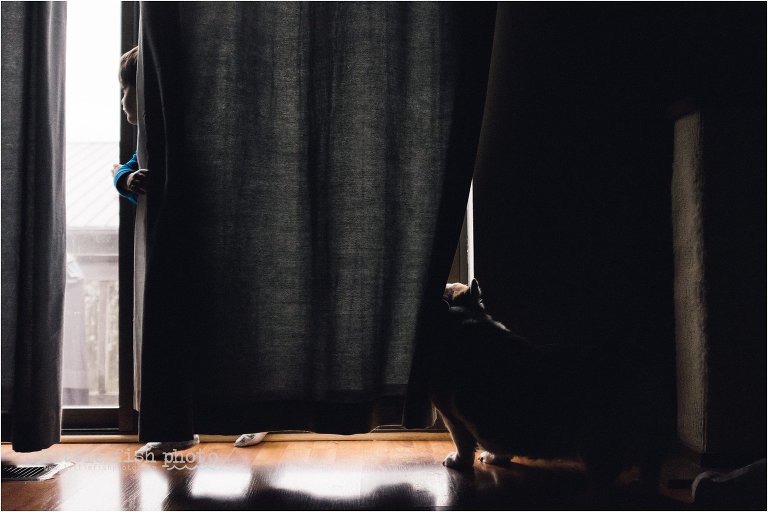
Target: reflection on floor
column 306, row 475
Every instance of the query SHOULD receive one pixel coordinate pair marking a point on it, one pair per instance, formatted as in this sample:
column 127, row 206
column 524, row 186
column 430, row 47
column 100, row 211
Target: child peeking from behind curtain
column 129, row 180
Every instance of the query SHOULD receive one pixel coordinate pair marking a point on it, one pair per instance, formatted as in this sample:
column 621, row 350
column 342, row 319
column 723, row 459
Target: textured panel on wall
column 689, row 286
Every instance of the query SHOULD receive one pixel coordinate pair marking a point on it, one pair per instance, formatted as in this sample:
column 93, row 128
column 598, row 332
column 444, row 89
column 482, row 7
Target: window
column 90, row 371
column 463, row 267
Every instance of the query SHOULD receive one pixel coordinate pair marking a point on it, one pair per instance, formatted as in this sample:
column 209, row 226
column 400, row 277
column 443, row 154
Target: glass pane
column 90, row 376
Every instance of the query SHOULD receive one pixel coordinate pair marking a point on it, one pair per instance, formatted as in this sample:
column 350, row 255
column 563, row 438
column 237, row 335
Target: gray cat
column 515, row 398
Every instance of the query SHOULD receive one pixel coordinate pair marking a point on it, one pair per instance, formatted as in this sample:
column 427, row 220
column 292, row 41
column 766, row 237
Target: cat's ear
column 447, row 304
column 474, row 290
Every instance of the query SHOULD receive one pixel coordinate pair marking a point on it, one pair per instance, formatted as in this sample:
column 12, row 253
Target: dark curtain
column 314, row 161
column 33, row 221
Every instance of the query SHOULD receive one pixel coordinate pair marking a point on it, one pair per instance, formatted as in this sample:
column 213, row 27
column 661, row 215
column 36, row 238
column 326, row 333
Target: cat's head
column 465, row 305
column 463, row 296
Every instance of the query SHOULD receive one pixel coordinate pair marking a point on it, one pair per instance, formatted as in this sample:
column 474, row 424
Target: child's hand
column 139, row 181
column 115, row 168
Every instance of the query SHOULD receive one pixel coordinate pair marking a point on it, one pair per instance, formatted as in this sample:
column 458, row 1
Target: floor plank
column 349, row 475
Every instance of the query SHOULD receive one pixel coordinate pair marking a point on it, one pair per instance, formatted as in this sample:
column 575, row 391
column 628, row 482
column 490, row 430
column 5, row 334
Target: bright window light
column 90, row 366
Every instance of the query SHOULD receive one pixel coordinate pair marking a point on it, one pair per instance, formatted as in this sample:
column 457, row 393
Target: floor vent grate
column 32, row 472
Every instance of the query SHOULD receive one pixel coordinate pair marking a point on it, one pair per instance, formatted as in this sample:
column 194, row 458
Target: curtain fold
column 33, row 221
column 315, row 160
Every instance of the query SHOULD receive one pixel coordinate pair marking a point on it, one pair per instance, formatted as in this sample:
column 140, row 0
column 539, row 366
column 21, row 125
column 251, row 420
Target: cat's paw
column 491, row 458
column 455, row 461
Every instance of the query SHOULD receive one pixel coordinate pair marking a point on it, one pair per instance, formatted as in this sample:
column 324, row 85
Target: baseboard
column 275, row 437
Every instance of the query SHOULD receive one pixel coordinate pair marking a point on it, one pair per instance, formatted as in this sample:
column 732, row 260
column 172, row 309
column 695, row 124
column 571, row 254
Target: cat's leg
column 497, row 459
column 464, row 456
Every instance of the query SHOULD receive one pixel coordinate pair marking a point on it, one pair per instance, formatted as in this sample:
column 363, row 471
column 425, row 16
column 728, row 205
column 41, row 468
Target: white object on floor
column 157, row 449
column 250, row 439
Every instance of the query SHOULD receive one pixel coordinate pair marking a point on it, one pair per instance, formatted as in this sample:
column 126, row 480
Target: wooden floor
column 348, row 475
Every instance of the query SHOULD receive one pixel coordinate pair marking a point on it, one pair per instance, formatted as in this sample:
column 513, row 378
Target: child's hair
column 128, row 67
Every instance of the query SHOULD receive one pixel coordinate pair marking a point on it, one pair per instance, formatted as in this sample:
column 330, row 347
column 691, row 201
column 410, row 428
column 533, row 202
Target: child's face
column 129, row 103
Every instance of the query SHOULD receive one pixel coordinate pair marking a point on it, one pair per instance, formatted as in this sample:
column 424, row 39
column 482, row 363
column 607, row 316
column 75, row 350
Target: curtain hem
column 319, row 417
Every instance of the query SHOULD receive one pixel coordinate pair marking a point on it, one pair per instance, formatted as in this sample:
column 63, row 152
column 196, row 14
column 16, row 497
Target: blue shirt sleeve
column 128, row 167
